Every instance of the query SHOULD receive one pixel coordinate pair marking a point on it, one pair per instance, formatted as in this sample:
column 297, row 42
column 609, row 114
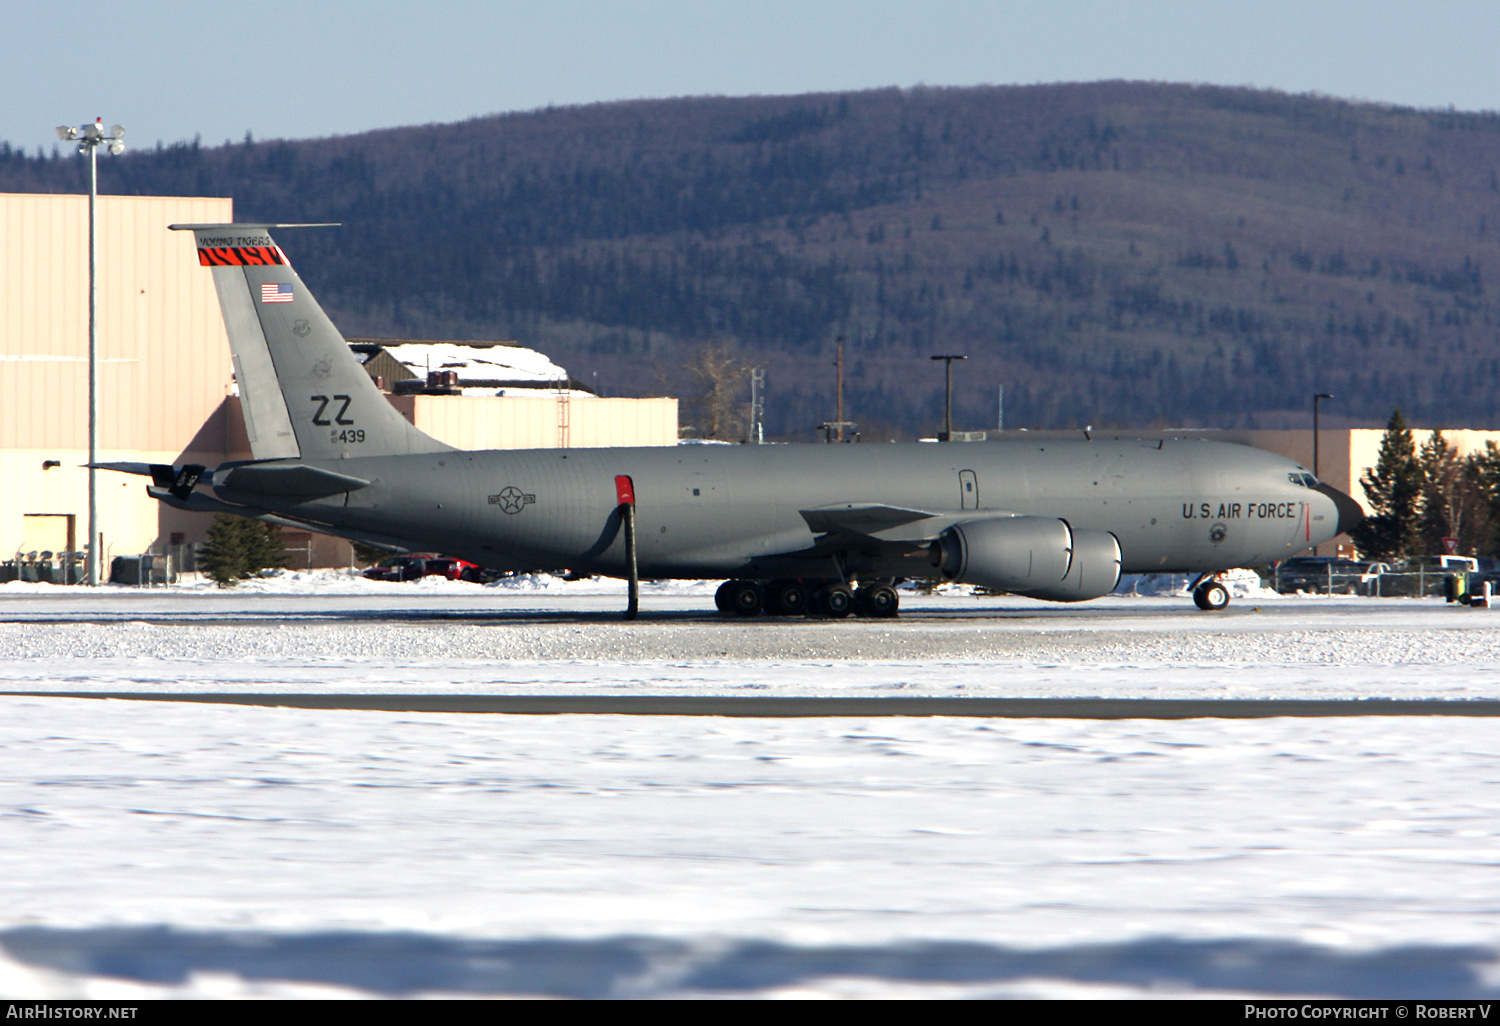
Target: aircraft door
column 968, row 489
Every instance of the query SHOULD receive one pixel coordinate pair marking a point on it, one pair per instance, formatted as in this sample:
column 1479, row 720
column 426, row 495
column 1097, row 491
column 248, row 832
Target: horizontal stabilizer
column 238, row 225
column 178, row 480
column 293, row 481
column 143, row 469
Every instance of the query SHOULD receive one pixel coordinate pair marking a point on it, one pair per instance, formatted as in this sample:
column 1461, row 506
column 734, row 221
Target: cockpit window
column 1302, row 478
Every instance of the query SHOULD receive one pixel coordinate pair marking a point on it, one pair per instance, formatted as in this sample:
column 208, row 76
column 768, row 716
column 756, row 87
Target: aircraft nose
column 1350, row 512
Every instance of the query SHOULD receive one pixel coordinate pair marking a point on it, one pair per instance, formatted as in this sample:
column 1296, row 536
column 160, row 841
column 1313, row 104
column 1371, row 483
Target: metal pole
column 1316, row 399
column 948, row 400
column 90, row 138
column 1315, row 436
column 633, row 599
column 93, row 546
column 757, row 405
column 839, row 424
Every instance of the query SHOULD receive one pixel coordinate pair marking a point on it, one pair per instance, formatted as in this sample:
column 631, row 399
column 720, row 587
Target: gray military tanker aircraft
column 793, row 528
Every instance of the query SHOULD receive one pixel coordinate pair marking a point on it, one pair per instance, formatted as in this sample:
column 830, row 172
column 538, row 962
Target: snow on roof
column 491, row 362
column 573, row 393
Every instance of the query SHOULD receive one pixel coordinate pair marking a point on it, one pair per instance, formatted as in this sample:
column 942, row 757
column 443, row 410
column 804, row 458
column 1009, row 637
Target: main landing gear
column 832, row 599
column 1209, row 594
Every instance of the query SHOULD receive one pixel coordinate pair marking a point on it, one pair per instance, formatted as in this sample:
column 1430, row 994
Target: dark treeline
column 1115, row 254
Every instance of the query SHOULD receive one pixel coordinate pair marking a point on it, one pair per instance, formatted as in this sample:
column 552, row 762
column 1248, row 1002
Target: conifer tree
column 264, row 547
column 1394, row 490
column 1483, row 472
column 237, row 548
column 222, row 554
column 369, row 554
column 1442, row 491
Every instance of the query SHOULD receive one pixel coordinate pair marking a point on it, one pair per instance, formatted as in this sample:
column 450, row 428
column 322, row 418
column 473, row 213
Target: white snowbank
column 1241, row 583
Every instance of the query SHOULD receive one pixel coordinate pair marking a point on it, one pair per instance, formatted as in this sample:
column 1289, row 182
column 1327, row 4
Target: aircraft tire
column 745, row 598
column 835, row 601
column 787, row 598
column 723, row 600
column 1211, row 596
column 878, row 600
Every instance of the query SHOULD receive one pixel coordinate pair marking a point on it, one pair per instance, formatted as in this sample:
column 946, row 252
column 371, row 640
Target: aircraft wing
column 283, row 480
column 868, row 523
column 863, row 519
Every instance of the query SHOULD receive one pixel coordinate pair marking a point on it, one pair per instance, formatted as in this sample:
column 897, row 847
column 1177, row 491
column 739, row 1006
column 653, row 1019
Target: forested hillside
column 1117, row 254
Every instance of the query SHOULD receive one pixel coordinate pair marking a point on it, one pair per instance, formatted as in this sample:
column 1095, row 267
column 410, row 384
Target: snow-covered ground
column 169, row 849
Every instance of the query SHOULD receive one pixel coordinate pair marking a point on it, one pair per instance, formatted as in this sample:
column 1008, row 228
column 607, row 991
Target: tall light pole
column 947, row 435
column 89, row 139
column 1316, row 399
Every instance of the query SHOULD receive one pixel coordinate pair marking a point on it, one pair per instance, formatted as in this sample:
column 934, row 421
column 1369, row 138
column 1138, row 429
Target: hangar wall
column 541, row 421
column 163, row 373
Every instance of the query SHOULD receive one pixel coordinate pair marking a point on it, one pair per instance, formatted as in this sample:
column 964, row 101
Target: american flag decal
column 276, row 292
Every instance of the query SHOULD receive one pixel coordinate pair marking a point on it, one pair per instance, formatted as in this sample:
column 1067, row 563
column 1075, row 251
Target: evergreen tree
column 264, row 547
column 1394, row 490
column 1453, row 504
column 369, row 554
column 237, row 548
column 222, row 554
column 1483, row 472
column 1442, row 488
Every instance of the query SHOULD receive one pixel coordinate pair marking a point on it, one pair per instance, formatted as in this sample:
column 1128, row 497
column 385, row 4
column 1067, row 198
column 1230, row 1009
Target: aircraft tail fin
column 303, row 393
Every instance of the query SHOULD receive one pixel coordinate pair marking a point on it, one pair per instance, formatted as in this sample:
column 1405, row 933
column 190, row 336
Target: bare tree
column 716, row 404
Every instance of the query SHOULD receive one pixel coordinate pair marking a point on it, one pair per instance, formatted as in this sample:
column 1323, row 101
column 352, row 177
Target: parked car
column 1325, row 574
column 410, row 568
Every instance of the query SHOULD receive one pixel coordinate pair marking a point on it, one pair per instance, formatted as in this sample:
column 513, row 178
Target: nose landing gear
column 1209, row 594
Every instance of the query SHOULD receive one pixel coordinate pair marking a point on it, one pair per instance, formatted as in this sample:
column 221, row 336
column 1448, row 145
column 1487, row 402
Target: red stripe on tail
column 239, row 256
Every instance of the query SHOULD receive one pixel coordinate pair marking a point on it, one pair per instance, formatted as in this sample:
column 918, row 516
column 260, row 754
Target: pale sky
column 172, row 70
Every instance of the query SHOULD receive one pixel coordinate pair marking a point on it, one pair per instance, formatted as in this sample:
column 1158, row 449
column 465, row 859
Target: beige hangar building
column 166, row 387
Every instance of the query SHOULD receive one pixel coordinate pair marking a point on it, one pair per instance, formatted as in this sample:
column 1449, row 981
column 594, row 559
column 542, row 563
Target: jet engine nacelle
column 1036, row 556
